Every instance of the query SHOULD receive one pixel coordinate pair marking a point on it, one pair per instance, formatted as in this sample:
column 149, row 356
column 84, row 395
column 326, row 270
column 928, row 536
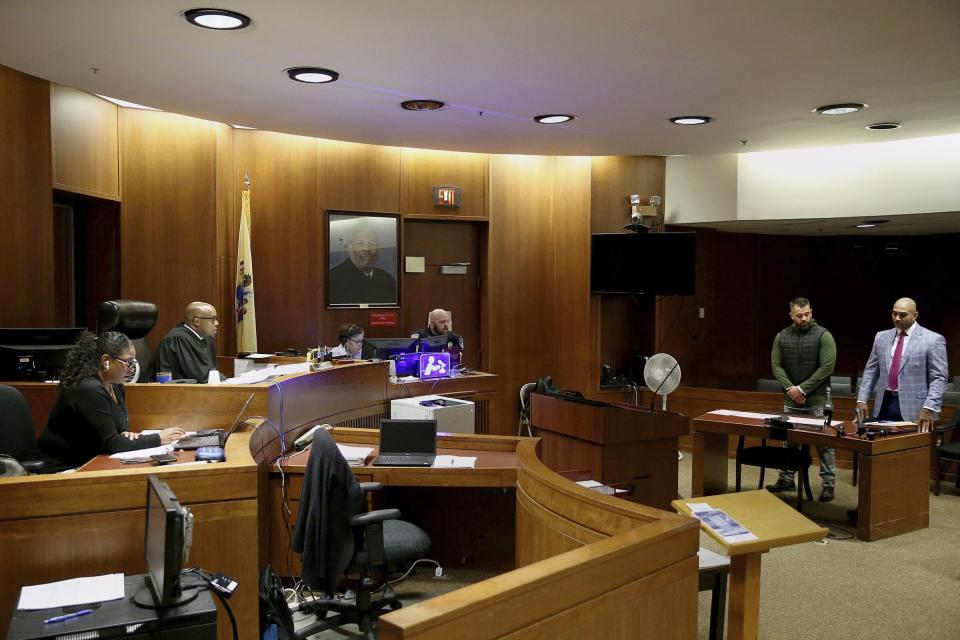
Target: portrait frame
column 355, row 278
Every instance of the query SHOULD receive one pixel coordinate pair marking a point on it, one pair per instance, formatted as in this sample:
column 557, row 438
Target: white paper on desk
column 721, row 523
column 71, row 592
column 355, row 456
column 143, row 453
column 589, row 484
column 455, row 462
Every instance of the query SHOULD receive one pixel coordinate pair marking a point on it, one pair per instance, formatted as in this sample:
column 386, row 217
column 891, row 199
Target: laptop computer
column 407, row 443
column 218, row 438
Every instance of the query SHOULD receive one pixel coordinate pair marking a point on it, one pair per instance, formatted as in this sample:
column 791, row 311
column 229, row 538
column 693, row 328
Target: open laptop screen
column 408, row 436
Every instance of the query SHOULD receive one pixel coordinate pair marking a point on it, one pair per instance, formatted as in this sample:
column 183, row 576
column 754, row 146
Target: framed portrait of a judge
column 363, row 258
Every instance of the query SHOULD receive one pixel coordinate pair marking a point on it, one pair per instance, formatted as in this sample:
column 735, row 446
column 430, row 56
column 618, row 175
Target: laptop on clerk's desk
column 407, row 443
column 216, row 439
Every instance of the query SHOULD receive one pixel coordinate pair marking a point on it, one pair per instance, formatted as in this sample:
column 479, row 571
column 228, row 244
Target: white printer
column 452, row 415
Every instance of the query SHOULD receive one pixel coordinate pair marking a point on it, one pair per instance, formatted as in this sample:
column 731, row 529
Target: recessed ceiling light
column 840, row 109
column 691, row 120
column 220, row 19
column 883, row 126
column 312, row 75
column 423, row 105
column 554, row 118
column 240, row 126
column 124, row 103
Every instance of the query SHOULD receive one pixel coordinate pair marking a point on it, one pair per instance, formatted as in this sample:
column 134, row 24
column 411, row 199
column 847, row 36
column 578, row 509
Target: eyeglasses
column 129, row 361
column 213, row 318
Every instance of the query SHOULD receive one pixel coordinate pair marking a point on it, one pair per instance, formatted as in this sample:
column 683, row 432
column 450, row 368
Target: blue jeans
column 828, row 458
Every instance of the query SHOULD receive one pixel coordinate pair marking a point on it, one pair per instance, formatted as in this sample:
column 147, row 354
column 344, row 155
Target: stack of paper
column 455, row 462
column 143, row 453
column 68, row 593
column 355, row 456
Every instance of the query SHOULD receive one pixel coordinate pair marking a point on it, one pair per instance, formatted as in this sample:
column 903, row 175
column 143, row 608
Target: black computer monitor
column 166, row 546
column 35, row 354
column 434, row 343
column 386, row 348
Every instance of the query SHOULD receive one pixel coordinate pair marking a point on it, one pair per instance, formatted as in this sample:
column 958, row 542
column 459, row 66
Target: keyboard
column 195, row 442
column 404, row 461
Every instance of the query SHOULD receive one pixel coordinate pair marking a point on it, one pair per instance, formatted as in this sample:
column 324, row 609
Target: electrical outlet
column 702, row 313
column 438, row 572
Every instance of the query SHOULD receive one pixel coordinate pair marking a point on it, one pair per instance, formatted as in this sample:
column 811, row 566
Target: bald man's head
column 904, row 314
column 202, row 318
column 439, row 322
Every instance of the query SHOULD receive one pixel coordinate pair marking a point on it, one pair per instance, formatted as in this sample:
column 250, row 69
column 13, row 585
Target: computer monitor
column 35, row 354
column 166, row 547
column 386, row 348
column 434, row 343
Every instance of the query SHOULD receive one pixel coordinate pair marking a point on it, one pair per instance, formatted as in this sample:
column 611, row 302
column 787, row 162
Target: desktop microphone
column 828, row 414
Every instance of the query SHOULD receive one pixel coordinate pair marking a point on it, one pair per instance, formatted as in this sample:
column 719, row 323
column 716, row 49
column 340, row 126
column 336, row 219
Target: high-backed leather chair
column 17, row 437
column 134, row 319
column 336, row 538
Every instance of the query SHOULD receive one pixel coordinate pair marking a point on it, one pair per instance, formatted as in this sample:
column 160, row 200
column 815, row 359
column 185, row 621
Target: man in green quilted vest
column 803, row 357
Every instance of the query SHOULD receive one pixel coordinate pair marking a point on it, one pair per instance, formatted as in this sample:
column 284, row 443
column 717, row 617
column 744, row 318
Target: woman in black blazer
column 90, row 416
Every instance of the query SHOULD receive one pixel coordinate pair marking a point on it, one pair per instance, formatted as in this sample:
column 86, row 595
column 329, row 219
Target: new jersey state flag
column 245, row 310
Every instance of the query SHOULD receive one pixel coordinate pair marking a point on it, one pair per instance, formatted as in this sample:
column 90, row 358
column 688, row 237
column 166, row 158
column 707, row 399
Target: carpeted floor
column 902, row 588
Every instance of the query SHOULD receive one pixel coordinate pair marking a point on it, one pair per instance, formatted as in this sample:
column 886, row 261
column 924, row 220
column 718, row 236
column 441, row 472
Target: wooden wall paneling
column 422, row 169
column 169, row 212
column 86, row 149
column 97, row 226
column 571, row 272
column 614, row 179
column 722, row 348
column 285, row 227
column 627, row 324
column 26, row 206
column 229, row 185
column 520, row 279
column 361, row 177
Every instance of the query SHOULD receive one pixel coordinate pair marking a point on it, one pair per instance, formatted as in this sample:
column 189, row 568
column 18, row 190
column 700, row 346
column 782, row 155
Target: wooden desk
column 894, row 484
column 776, row 525
column 63, row 526
column 618, row 443
column 468, row 513
column 354, row 395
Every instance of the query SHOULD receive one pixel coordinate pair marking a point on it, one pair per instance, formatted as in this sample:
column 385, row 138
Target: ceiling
column 914, row 224
column 622, row 66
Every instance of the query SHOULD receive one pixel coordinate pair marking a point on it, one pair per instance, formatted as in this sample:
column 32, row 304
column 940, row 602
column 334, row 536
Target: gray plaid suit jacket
column 922, row 377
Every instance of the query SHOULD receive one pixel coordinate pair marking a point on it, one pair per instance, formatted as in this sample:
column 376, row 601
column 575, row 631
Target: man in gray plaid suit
column 907, row 369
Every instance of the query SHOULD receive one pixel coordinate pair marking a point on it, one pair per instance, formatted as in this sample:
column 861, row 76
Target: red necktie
column 895, row 365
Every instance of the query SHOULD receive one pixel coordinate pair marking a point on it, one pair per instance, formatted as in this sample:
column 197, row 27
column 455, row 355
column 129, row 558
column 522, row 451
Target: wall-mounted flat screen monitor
column 662, row 263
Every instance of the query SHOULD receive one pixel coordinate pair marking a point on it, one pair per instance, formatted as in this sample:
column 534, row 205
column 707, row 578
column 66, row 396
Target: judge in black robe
column 188, row 350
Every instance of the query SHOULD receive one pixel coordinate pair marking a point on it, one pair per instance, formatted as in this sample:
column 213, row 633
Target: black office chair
column 777, row 457
column 337, row 539
column 133, row 318
column 946, row 452
column 17, row 438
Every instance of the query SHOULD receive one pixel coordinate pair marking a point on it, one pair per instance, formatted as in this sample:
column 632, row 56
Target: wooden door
column 444, row 243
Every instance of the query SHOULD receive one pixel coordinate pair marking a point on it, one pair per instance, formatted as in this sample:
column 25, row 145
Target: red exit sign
column 446, row 196
column 382, row 319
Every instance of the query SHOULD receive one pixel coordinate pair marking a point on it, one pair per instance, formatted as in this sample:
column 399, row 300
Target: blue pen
column 68, row 616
